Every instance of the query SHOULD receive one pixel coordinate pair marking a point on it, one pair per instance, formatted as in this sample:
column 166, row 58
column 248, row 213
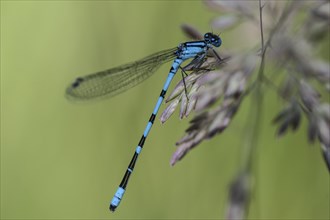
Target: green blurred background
column 65, row 160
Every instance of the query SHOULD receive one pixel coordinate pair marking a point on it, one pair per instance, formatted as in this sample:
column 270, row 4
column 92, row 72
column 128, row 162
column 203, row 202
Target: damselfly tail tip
column 112, row 208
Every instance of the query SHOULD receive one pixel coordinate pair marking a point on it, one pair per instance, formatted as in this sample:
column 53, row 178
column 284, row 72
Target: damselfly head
column 213, row 39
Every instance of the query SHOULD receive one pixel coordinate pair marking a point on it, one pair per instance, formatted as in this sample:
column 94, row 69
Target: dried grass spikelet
column 226, row 86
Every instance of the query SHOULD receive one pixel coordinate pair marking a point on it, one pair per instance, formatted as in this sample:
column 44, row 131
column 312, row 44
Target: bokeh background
column 62, row 160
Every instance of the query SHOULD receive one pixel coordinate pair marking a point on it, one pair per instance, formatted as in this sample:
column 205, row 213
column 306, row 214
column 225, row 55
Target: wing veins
column 116, row 80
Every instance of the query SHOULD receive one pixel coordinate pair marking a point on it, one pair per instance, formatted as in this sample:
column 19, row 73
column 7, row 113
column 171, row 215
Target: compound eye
column 206, row 36
column 212, row 39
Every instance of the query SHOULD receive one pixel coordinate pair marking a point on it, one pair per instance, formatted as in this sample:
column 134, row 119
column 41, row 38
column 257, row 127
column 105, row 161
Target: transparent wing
column 113, row 81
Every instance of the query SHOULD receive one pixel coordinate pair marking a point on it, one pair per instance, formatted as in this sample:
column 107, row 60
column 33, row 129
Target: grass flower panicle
column 287, row 63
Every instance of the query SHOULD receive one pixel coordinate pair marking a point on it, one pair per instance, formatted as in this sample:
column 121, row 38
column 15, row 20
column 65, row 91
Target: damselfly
column 116, row 80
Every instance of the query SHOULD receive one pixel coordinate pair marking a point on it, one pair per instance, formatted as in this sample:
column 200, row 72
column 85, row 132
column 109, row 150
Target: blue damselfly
column 116, row 80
